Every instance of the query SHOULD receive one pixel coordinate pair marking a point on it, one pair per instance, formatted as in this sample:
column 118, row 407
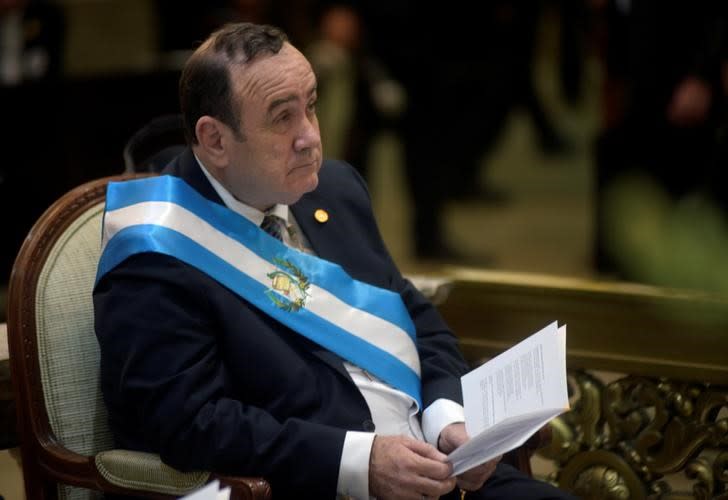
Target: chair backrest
column 53, row 350
column 154, row 145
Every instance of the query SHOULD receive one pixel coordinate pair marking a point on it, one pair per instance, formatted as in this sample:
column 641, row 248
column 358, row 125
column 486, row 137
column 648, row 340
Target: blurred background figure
column 445, row 80
column 517, row 23
column 348, row 72
column 475, row 130
column 31, row 33
column 575, row 33
column 664, row 127
column 31, row 50
column 183, row 25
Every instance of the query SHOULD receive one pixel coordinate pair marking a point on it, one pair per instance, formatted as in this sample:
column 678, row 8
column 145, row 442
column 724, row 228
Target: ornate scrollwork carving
column 630, row 437
column 601, row 474
column 701, row 472
column 603, row 482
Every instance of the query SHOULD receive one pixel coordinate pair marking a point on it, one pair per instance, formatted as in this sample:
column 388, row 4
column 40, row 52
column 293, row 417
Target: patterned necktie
column 273, row 225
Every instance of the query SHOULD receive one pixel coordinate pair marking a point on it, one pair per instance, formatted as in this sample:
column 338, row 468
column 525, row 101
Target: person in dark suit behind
column 250, row 318
column 664, row 112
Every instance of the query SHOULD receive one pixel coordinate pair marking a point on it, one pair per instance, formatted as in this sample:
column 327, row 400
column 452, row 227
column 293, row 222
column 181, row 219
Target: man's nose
column 309, row 136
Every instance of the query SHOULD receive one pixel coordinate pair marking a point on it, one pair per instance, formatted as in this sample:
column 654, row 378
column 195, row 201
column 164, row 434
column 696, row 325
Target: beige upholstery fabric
column 69, row 363
column 67, row 349
column 135, row 469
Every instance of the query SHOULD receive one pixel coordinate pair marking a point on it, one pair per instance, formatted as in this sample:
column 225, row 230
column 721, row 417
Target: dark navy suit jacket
column 195, row 373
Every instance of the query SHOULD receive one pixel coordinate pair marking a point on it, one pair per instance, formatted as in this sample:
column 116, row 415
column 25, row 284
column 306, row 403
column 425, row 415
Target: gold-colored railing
column 648, row 373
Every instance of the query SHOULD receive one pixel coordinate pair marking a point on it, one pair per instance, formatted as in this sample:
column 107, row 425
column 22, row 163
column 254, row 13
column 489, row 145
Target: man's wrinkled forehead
column 270, row 72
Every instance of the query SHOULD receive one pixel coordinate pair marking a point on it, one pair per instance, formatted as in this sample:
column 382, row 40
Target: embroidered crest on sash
column 288, row 290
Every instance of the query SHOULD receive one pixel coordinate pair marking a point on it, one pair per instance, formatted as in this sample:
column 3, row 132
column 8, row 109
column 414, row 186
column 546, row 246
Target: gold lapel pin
column 321, row 216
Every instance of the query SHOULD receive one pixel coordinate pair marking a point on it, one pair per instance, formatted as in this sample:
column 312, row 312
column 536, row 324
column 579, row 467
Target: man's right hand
column 401, row 467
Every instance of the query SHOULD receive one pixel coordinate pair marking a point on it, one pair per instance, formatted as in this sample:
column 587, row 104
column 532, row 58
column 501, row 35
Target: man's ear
column 210, row 133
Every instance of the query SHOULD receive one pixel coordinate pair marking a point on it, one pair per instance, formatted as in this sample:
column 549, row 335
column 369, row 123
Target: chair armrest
column 146, row 472
column 246, row 488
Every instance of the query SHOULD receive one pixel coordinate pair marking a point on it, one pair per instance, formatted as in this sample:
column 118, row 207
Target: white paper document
column 210, row 491
column 512, row 396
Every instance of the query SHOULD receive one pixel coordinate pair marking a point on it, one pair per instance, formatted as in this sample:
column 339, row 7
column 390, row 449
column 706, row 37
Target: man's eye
column 283, row 117
column 312, row 106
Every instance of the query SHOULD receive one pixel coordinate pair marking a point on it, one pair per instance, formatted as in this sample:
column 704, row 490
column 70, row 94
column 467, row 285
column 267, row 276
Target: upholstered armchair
column 54, row 358
column 66, row 445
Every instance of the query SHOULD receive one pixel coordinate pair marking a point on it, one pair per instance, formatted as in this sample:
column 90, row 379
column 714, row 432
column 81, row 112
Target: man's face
column 280, row 155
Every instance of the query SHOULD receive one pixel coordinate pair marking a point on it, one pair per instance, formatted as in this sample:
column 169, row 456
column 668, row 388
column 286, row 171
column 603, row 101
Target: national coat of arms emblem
column 289, row 287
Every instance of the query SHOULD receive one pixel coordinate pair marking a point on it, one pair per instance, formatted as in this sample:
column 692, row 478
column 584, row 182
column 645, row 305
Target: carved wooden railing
column 648, row 372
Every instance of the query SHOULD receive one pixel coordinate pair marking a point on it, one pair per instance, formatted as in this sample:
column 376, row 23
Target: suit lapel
column 315, row 232
column 186, row 167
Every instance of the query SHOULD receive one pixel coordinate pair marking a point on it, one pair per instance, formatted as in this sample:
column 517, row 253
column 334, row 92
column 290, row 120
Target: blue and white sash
column 364, row 324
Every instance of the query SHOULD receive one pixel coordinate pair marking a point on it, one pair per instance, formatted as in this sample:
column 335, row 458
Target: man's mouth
column 309, row 164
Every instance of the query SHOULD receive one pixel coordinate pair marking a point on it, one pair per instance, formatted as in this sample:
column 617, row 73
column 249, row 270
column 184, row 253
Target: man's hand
column 402, row 467
column 452, row 437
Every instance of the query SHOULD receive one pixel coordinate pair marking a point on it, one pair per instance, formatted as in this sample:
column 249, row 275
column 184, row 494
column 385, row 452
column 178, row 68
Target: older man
column 250, row 318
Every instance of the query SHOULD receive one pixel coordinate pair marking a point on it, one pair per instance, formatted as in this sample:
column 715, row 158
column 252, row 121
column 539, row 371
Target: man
column 223, row 348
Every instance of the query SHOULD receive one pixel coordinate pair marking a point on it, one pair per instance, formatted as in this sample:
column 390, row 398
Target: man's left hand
column 452, row 437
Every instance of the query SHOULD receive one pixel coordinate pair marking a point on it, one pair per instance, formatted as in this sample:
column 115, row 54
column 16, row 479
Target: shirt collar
column 252, row 214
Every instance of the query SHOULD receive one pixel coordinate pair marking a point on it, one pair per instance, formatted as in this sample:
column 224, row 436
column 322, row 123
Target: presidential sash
column 364, row 324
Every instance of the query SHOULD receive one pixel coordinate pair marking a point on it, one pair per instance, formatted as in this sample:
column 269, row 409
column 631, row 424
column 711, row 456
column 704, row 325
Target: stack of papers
column 512, row 396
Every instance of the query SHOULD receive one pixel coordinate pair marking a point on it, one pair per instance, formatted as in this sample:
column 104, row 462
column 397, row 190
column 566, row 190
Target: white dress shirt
column 393, row 412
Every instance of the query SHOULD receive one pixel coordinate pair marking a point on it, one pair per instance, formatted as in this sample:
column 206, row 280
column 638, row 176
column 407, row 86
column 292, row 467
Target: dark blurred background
column 576, row 137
